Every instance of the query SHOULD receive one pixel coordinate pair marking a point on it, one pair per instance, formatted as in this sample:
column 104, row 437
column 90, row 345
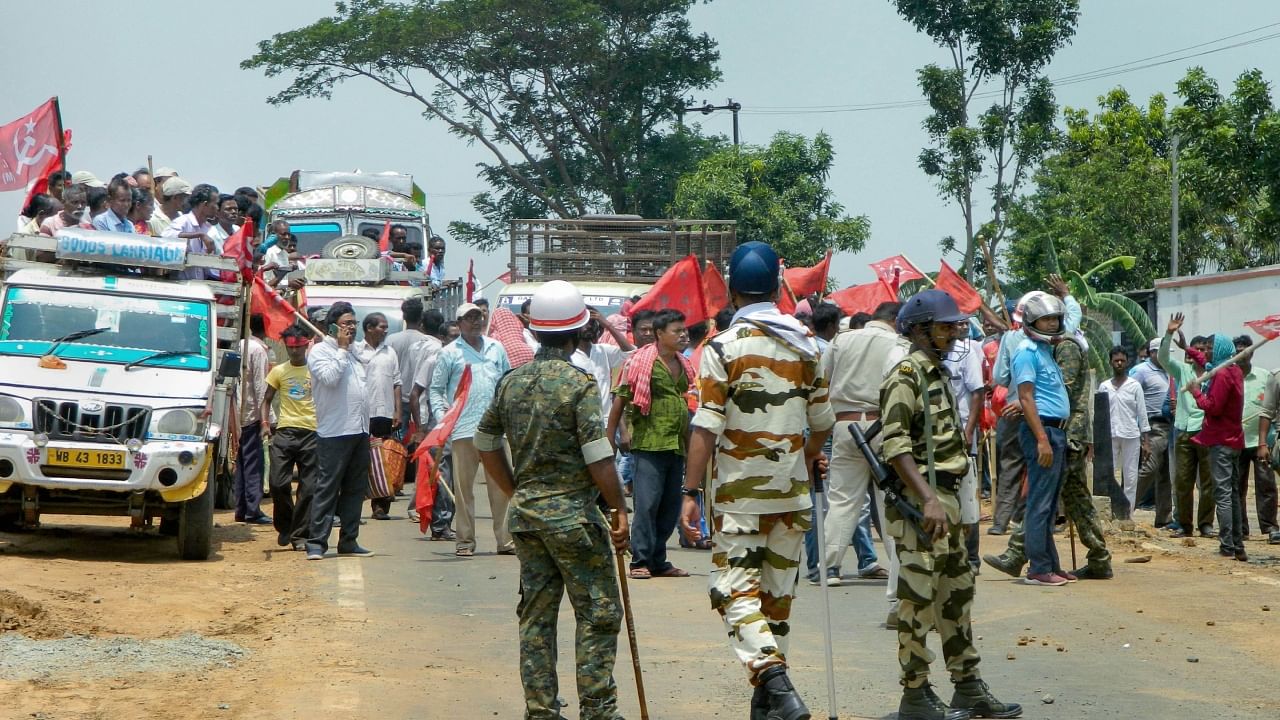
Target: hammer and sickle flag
column 28, row 146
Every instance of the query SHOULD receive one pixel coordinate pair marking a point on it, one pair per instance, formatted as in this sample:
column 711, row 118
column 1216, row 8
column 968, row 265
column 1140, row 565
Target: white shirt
column 966, row 374
column 857, row 361
column 382, row 376
column 337, row 388
column 187, row 223
column 278, row 256
column 532, row 342
column 603, row 362
column 1128, row 408
column 405, row 343
column 428, row 351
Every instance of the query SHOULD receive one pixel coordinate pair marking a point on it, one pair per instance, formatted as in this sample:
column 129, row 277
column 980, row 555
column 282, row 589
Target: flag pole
column 62, row 140
column 1230, row 361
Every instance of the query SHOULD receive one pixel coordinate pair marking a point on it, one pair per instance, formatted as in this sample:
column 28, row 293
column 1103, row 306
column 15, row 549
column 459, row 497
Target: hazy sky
column 163, row 78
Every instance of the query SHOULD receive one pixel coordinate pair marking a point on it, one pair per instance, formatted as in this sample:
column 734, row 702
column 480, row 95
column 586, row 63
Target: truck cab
column 323, row 206
column 115, row 381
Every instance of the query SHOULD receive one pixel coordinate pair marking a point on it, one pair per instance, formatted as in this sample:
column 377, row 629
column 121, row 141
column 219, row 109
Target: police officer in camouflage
column 561, row 463
column 1077, row 501
column 935, row 583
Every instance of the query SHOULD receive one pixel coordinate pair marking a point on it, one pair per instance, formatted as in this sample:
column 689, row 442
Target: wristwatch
column 690, row 492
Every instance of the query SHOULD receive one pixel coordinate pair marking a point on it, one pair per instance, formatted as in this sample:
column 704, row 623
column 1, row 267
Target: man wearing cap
column 86, row 179
column 760, row 389
column 935, row 583
column 549, row 412
column 170, row 198
column 162, row 175
column 488, row 362
column 1153, row 474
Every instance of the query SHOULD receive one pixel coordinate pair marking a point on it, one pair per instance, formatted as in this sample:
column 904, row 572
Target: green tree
column 573, row 99
column 778, row 194
column 1003, row 45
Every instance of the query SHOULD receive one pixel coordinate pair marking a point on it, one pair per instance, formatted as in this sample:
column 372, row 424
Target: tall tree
column 572, row 98
column 1003, row 45
column 777, row 194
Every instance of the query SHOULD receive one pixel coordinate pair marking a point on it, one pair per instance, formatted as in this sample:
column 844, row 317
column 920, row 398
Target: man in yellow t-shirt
column 293, row 440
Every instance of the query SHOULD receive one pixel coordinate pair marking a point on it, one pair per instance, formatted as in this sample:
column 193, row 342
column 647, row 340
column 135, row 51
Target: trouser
column 443, row 508
column 1009, row 468
column 935, row 590
column 466, row 468
column 342, row 479
column 1264, row 491
column 579, row 560
column 1153, row 475
column 1125, row 452
column 292, row 448
column 757, row 566
column 1192, row 462
column 1077, row 501
column 655, row 493
column 248, row 477
column 863, row 546
column 380, row 427
column 847, row 494
column 1224, row 466
column 1043, row 486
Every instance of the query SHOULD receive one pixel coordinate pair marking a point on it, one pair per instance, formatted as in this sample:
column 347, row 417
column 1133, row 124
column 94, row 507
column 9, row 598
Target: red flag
column 862, row 298
column 786, row 298
column 962, row 292
column 896, row 270
column 504, row 278
column 237, row 247
column 384, row 240
column 275, row 310
column 1268, row 327
column 28, row 146
column 471, row 281
column 714, row 291
column 679, row 288
column 41, row 184
column 806, row 281
column 428, row 474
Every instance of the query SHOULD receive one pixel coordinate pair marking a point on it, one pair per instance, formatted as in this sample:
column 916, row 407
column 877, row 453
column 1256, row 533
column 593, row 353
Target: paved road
column 440, row 633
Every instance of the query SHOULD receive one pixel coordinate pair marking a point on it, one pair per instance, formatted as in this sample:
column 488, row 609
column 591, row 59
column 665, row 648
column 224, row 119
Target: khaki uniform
column 549, row 412
column 1077, row 500
column 935, row 582
column 760, row 387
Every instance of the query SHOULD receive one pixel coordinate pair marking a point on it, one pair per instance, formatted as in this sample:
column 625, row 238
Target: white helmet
column 557, row 306
column 1036, row 305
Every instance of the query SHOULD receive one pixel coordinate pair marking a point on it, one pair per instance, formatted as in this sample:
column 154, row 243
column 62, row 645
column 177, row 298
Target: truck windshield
column 132, row 328
column 311, row 237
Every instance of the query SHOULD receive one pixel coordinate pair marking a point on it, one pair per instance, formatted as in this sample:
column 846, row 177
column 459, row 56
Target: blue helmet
column 930, row 305
column 753, row 268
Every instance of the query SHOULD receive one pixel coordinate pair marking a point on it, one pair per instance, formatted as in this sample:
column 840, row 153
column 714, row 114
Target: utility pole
column 707, row 108
column 1173, row 239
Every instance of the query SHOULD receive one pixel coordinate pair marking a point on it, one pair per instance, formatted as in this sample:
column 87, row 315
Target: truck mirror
column 230, row 365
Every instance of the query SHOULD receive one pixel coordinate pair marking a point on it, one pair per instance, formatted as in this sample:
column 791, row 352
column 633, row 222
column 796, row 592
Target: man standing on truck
column 435, row 262
column 253, row 409
column 342, row 426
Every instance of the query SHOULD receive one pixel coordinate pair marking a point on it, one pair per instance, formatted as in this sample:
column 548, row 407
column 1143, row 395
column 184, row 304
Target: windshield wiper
column 159, row 355
column 71, row 337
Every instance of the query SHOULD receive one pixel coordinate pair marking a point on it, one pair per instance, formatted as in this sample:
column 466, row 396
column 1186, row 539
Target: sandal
column 464, row 552
column 672, row 571
column 878, row 574
column 639, row 573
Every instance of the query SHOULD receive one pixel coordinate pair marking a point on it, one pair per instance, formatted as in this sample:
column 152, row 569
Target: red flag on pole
column 29, row 146
column 896, row 270
column 41, row 184
column 384, row 240
column 786, row 298
column 471, row 281
column 428, row 474
column 504, row 278
column 714, row 292
column 1268, row 327
column 962, row 292
column 237, row 248
column 806, row 281
column 862, row 298
column 679, row 288
column 277, row 313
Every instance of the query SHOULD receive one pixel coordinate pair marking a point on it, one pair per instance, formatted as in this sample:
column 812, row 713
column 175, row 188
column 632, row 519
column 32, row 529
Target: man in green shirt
column 1264, row 480
column 652, row 394
column 1191, row 461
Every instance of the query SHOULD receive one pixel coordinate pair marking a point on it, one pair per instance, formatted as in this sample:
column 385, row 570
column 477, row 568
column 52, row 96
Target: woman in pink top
column 1223, row 434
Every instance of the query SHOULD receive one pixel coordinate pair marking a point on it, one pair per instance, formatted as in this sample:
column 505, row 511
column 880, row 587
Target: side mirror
column 230, row 366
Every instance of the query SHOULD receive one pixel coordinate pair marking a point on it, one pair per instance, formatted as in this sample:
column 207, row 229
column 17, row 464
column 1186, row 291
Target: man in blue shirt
column 119, row 201
column 1153, row 476
column 1043, row 397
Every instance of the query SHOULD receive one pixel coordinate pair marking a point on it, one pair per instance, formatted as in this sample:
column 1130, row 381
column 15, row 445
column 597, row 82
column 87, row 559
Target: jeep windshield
column 132, row 328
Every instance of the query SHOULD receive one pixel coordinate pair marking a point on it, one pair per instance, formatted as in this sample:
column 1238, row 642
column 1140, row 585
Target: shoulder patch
column 906, row 369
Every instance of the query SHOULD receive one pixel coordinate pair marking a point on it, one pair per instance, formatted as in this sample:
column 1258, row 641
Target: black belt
column 1059, row 423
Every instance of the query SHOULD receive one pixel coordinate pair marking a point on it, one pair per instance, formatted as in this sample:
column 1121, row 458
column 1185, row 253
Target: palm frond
column 1145, row 328
column 1097, row 330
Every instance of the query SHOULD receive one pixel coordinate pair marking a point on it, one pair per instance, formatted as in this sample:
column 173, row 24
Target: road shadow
column 67, row 538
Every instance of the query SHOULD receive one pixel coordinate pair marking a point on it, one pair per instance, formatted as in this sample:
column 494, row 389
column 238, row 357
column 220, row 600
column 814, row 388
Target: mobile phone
column 333, row 329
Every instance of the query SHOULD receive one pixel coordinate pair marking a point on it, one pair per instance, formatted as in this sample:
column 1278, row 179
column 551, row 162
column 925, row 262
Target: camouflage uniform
column 550, row 413
column 1077, row 501
column 760, row 388
column 935, row 583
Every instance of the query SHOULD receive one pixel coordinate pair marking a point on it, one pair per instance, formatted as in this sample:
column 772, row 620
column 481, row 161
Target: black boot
column 976, row 697
column 784, row 702
column 923, row 703
column 1004, row 564
column 760, row 704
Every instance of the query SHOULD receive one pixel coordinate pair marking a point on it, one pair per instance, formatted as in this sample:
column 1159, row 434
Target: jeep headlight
column 176, row 422
column 12, row 411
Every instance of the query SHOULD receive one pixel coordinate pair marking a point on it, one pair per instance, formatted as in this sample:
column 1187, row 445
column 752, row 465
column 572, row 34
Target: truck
column 1222, row 302
column 611, row 258
column 116, row 380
